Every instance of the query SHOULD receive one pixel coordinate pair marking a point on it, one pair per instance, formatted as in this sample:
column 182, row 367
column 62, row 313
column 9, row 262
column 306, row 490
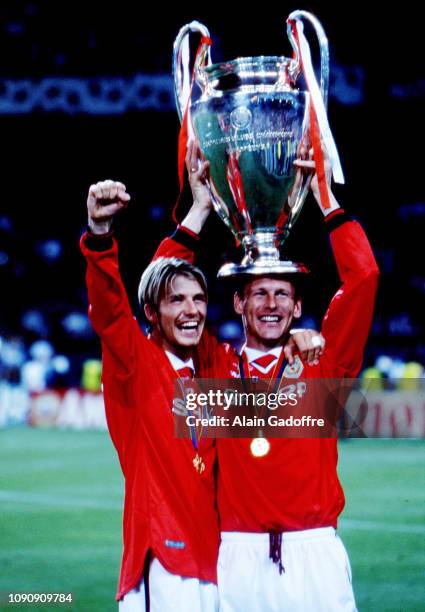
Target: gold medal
column 260, row 447
column 198, row 464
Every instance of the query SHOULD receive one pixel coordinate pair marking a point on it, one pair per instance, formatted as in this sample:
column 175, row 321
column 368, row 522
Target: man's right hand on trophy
column 309, row 165
column 198, row 171
column 105, row 199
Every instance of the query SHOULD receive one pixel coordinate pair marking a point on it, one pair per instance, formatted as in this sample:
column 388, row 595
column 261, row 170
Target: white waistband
column 249, row 536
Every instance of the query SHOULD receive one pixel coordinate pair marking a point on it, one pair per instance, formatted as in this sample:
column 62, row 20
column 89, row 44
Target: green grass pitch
column 60, row 519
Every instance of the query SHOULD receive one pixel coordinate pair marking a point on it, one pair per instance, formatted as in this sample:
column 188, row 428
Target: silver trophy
column 251, row 122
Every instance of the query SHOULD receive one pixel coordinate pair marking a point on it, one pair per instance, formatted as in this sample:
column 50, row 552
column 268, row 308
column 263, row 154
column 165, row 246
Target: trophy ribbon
column 186, row 128
column 320, row 129
column 182, row 62
column 318, row 101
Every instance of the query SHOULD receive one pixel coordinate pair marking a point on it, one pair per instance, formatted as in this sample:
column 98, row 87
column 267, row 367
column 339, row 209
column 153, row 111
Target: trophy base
column 262, row 268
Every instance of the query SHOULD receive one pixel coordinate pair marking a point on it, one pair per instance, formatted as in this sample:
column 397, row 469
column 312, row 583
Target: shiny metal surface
column 252, row 123
column 181, row 89
column 323, row 46
column 262, row 267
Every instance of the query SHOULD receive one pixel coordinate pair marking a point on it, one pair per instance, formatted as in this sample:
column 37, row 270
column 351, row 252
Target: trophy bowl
column 251, row 126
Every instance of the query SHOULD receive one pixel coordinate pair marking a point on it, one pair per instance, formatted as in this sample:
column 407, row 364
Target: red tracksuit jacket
column 169, row 508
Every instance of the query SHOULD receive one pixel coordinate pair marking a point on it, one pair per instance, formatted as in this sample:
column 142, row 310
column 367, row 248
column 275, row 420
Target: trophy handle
column 181, row 72
column 323, row 45
column 324, row 87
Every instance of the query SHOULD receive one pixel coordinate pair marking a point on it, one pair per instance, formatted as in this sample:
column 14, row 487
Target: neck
column 260, row 344
column 182, row 352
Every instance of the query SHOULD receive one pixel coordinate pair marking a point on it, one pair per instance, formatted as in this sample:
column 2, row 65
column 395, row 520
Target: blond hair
column 159, row 275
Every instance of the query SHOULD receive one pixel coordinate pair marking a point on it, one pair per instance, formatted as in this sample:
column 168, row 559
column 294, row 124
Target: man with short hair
column 170, row 528
column 279, row 500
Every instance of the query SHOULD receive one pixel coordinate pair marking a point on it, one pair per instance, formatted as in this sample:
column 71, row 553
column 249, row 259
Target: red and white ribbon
column 186, row 84
column 318, row 104
column 186, row 129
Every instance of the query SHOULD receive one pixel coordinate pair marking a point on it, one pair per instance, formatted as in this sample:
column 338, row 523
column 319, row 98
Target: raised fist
column 105, row 199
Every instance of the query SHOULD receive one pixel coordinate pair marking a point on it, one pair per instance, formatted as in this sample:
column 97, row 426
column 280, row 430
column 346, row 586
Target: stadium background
column 86, row 94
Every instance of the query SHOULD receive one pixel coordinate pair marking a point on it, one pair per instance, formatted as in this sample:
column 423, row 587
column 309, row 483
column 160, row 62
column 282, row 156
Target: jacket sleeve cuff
column 186, row 238
column 98, row 242
column 336, row 218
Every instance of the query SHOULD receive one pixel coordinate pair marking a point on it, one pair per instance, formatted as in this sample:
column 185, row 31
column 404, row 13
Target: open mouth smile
column 270, row 318
column 189, row 326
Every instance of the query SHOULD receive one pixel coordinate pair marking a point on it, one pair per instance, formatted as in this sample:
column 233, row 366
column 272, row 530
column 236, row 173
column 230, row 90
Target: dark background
column 51, row 152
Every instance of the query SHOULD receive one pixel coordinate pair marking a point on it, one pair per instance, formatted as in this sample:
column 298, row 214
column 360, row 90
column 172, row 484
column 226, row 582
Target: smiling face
column 180, row 318
column 267, row 307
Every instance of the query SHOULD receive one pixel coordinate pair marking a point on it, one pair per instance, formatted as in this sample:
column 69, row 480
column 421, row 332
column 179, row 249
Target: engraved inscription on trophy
column 254, row 137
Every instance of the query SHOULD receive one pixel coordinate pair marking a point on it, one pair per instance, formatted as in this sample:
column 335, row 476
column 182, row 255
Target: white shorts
column 171, row 593
column 316, row 576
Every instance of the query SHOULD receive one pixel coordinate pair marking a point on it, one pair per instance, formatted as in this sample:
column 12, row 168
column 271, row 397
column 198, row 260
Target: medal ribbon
column 196, row 440
column 281, row 365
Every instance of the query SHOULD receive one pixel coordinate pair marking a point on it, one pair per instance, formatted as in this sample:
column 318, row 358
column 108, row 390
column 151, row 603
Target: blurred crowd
column 46, row 340
column 45, row 335
column 38, row 367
